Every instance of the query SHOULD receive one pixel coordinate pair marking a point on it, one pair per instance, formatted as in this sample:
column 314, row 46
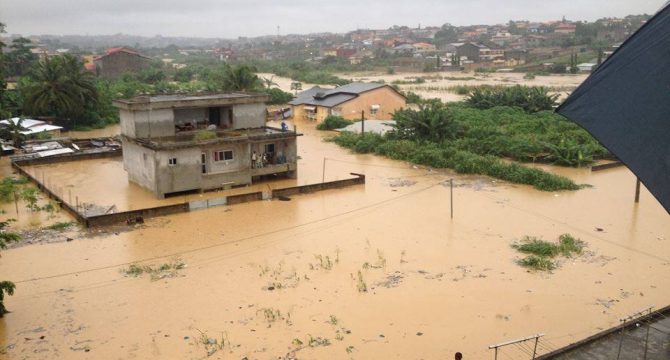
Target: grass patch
column 535, row 246
column 155, row 272
column 203, row 135
column 61, row 225
column 569, row 246
column 541, row 252
column 537, row 263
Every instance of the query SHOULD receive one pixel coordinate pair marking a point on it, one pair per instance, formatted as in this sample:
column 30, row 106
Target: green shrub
column 535, row 246
column 531, row 99
column 203, row 135
column 333, row 122
column 60, row 226
column 278, row 96
column 542, row 252
column 568, row 245
column 443, row 156
column 537, row 263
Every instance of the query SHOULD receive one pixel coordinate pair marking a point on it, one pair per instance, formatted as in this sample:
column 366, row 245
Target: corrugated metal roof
column 333, row 97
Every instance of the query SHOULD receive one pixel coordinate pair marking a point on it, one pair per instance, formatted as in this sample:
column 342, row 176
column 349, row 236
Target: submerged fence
column 141, row 214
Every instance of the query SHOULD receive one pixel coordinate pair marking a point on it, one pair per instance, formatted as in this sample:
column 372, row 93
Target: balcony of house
column 270, row 169
column 199, row 137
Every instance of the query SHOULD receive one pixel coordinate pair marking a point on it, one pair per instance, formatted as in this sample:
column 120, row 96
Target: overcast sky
column 230, row 19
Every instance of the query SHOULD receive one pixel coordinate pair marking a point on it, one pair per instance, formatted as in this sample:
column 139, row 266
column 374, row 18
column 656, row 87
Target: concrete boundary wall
column 122, row 217
column 133, row 215
column 359, row 179
column 77, row 215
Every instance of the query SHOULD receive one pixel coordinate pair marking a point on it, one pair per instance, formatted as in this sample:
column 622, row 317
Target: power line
column 106, row 267
column 586, row 232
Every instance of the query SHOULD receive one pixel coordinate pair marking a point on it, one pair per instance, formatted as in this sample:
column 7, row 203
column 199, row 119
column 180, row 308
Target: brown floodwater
column 108, row 131
column 257, row 275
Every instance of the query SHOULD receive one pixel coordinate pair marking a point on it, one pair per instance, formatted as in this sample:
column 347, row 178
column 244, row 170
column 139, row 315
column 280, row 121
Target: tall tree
column 20, row 59
column 60, row 87
column 241, row 78
column 13, row 131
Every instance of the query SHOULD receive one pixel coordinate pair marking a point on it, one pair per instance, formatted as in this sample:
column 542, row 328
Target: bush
column 537, row 263
column 531, row 99
column 444, row 156
column 333, row 122
column 278, row 96
column 541, row 251
column 203, row 135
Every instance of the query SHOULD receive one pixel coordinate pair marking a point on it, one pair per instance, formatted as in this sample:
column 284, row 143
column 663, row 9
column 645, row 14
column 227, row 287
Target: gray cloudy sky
column 229, row 19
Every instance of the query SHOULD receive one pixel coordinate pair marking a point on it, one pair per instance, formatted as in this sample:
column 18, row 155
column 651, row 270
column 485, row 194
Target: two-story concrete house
column 180, row 143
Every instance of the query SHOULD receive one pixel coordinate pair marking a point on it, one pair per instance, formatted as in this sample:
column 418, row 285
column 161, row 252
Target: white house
column 34, row 127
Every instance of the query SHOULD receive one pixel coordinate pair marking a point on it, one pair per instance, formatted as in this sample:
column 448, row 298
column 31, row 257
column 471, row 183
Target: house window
column 223, row 155
column 270, row 148
column 172, row 162
column 374, row 109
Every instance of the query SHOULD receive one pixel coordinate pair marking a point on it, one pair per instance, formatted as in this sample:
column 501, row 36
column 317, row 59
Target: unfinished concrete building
column 179, row 143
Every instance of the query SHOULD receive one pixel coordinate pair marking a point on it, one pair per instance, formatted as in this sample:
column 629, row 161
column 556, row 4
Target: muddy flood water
column 375, row 271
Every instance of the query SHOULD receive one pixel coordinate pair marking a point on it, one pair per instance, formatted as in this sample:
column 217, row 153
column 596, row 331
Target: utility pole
column 362, row 122
column 637, row 190
column 451, row 197
column 323, row 173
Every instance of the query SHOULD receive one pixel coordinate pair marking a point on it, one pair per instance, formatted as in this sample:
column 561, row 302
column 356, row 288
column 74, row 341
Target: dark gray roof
column 333, row 97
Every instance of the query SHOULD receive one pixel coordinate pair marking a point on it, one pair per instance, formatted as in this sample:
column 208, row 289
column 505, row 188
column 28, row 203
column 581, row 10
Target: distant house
column 378, row 101
column 586, row 67
column 120, row 60
column 469, row 50
column 423, row 46
column 34, row 127
column 565, row 28
column 404, row 49
column 478, row 52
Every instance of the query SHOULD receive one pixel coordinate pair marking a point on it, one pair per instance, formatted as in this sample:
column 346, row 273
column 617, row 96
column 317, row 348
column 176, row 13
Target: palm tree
column 240, row 78
column 60, row 87
column 13, row 130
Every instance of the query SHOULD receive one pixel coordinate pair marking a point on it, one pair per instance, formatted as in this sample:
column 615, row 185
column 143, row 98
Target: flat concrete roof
column 154, row 102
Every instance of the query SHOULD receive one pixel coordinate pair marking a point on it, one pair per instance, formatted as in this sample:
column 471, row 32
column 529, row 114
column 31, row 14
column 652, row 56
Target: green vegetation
column 531, row 99
column 9, row 187
column 443, row 155
column 203, row 135
column 332, row 122
column 60, row 87
column 418, row 80
column 278, row 96
column 473, row 141
column 29, row 195
column 360, row 284
column 6, row 287
column 537, row 263
column 541, row 252
column 155, row 272
column 61, row 225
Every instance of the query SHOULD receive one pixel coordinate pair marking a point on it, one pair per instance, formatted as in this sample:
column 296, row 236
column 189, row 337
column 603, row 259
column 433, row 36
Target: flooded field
column 373, row 271
column 108, row 131
column 440, row 85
